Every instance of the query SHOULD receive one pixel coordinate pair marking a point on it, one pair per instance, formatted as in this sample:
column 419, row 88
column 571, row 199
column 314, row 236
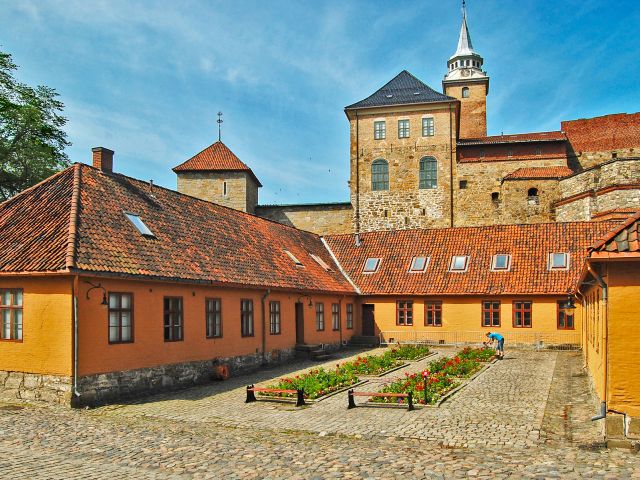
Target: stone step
column 323, row 357
column 306, row 347
column 361, row 340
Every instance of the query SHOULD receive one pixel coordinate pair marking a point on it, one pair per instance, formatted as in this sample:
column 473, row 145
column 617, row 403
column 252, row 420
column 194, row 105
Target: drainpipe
column 605, row 296
column 264, row 326
column 357, row 175
column 74, row 290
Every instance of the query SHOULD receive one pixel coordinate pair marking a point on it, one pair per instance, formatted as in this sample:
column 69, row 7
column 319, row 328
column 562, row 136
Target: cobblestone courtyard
column 526, row 416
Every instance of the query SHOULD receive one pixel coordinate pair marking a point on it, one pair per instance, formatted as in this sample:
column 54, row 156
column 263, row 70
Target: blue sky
column 147, row 78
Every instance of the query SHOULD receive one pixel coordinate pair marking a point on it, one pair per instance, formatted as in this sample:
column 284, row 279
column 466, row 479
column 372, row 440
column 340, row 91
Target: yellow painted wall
column 624, row 336
column 464, row 314
column 46, row 346
column 593, row 314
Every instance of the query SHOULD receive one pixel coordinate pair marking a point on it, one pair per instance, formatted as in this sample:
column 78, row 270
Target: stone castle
column 422, row 159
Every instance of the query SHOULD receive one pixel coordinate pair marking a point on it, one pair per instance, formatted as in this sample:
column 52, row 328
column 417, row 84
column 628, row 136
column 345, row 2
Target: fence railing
column 552, row 340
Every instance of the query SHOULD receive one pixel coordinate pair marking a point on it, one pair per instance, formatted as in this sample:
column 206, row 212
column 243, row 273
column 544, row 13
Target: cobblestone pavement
column 537, row 401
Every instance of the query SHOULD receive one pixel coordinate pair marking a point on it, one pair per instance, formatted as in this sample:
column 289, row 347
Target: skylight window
column 140, row 225
column 459, row 263
column 419, row 264
column 371, row 265
column 321, row 262
column 294, row 258
column 558, row 261
column 501, row 262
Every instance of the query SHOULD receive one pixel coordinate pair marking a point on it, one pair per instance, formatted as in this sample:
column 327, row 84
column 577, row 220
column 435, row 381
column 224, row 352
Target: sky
column 147, row 78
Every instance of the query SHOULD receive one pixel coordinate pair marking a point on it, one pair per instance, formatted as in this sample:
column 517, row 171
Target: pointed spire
column 464, row 41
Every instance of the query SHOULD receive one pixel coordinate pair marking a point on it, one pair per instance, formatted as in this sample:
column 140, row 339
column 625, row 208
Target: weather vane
column 219, row 121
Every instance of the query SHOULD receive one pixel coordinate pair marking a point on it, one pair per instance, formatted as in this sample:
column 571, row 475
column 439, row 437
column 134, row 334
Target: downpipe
column 602, row 414
column 605, row 297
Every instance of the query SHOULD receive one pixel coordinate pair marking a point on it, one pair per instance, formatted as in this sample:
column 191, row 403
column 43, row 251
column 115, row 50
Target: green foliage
column 409, row 352
column 316, row 383
column 32, row 141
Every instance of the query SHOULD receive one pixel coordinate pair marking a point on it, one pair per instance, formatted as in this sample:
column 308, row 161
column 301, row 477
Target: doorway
column 368, row 320
column 299, row 322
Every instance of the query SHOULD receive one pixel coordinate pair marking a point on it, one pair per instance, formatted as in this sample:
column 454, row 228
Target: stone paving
column 525, row 417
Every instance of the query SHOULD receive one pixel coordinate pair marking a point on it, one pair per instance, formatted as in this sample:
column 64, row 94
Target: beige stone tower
column 217, row 175
column 466, row 81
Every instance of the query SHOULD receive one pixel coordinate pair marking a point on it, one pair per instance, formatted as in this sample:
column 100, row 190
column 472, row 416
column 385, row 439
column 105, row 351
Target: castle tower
column 466, row 81
column 217, row 175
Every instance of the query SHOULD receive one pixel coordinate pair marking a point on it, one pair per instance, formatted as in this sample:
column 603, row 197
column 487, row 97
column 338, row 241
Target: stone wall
column 322, row 219
column 242, row 192
column 473, row 110
column 35, row 387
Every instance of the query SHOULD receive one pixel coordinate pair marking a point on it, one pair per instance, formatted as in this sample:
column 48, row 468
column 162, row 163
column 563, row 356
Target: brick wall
column 473, row 110
column 242, row 191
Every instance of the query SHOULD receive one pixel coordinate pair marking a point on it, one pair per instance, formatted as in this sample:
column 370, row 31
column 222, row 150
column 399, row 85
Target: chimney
column 103, row 159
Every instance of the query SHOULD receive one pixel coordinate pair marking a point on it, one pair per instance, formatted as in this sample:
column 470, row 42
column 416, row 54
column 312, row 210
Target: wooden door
column 299, row 322
column 368, row 320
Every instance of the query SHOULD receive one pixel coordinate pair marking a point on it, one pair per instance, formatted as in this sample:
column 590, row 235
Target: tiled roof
column 403, row 89
column 621, row 239
column 516, row 138
column 539, row 172
column 194, row 240
column 216, row 157
column 609, row 132
column 529, row 246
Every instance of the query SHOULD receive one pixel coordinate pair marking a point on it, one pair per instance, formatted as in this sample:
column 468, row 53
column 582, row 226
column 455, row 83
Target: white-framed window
column 371, row 265
column 418, row 264
column 403, row 129
column 558, row 261
column 501, row 262
column 379, row 130
column 139, row 224
column 294, row 258
column 465, row 92
column 428, row 127
column 321, row 262
column 459, row 263
column 11, row 313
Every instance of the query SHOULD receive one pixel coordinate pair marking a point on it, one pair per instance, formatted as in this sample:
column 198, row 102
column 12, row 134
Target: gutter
column 74, row 291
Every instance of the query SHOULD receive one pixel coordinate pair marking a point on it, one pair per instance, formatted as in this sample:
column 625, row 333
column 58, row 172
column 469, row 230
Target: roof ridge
column 211, row 146
column 70, row 258
column 611, row 234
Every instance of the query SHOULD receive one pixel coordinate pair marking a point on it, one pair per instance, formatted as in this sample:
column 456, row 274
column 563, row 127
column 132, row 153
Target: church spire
column 466, row 61
column 464, row 41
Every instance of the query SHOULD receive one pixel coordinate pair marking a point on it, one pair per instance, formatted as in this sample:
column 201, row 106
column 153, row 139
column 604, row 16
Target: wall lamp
column 104, row 292
column 305, row 296
column 569, row 306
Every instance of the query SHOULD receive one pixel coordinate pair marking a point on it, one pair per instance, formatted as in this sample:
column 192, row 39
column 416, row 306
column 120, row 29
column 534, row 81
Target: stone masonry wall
column 322, row 219
column 473, row 110
column 34, row 387
column 210, row 186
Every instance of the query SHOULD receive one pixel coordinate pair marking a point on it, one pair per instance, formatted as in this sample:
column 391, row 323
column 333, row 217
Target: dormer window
column 459, row 263
column 371, row 265
column 418, row 264
column 139, row 224
column 501, row 262
column 558, row 261
column 294, row 258
column 321, row 262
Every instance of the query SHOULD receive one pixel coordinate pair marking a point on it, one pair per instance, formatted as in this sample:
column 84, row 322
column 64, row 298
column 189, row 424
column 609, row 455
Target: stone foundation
column 34, row 387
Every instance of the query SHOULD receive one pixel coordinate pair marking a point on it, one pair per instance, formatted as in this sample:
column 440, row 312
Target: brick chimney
column 103, row 159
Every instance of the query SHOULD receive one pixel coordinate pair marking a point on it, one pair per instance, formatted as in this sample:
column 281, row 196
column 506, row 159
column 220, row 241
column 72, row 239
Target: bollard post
column 410, row 401
column 251, row 396
column 352, row 403
column 425, row 377
column 300, row 401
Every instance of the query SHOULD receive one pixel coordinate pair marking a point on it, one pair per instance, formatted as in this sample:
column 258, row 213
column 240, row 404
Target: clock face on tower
column 465, row 72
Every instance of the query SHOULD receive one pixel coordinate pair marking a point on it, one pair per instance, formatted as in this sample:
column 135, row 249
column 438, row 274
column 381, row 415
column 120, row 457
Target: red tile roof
column 539, row 172
column 621, row 239
column 609, row 132
column 529, row 245
column 515, row 138
column 194, row 240
column 215, row 158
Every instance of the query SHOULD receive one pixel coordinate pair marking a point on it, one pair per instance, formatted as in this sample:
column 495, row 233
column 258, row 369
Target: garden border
column 466, row 382
column 387, row 372
column 307, row 400
column 430, row 354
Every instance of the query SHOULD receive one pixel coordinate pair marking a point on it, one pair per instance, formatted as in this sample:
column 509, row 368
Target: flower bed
column 409, row 352
column 441, row 376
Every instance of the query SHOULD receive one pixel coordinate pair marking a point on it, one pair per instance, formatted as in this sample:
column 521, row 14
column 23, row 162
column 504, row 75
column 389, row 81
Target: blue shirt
column 496, row 336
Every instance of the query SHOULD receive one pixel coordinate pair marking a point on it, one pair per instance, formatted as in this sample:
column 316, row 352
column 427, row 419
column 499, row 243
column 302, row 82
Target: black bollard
column 300, row 401
column 352, row 403
column 251, row 396
column 410, row 401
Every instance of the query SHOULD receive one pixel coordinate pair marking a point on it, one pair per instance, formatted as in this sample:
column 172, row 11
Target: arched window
column 380, row 175
column 532, row 196
column 532, row 192
column 465, row 92
column 428, row 173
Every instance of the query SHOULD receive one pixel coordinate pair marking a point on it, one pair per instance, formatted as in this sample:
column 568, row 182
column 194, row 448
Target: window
column 380, row 130
column 558, row 261
column 463, row 184
column 433, row 314
column 294, row 258
column 319, row 316
column 418, row 264
column 224, row 188
column 495, row 197
column 213, row 317
column 404, row 312
column 491, row 313
column 349, row 316
column 501, row 261
column 380, row 175
column 11, row 314
column 172, row 319
column 428, row 127
column 565, row 319
column 522, row 314
column 403, row 128
column 532, row 192
column 274, row 318
column 246, row 317
column 140, row 225
column 459, row 263
column 321, row 262
column 428, row 173
column 335, row 316
column 465, row 92
column 510, row 152
column 371, row 265
column 120, row 317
